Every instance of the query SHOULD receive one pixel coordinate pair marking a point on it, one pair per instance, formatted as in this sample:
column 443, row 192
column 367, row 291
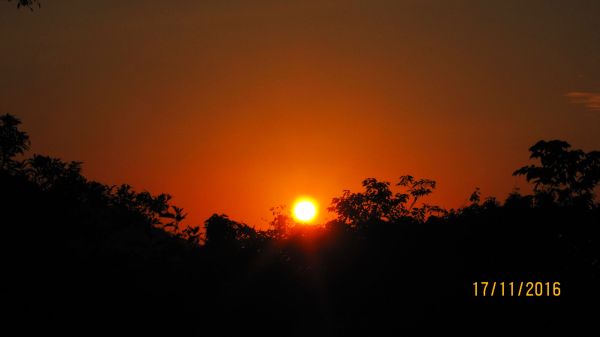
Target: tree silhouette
column 379, row 203
column 567, row 177
column 416, row 189
column 224, row 233
column 475, row 197
column 376, row 203
column 13, row 142
column 516, row 200
column 27, row 3
column 109, row 249
column 281, row 222
column 48, row 172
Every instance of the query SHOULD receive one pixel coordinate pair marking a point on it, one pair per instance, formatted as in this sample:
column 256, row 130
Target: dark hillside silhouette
column 80, row 256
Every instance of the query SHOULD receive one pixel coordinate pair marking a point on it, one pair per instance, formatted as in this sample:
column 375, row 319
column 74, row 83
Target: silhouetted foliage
column 31, row 4
column 13, row 142
column 567, row 177
column 516, row 200
column 76, row 252
column 280, row 224
column 222, row 232
column 475, row 197
column 48, row 172
column 379, row 203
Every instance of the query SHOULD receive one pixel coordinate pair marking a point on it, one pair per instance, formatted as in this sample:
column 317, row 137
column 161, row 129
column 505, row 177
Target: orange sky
column 235, row 107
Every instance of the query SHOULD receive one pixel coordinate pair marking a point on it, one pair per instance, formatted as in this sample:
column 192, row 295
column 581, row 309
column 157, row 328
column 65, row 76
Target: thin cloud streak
column 590, row 100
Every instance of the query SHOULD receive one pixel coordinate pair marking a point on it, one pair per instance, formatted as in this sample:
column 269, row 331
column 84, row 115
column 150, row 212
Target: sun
column 304, row 210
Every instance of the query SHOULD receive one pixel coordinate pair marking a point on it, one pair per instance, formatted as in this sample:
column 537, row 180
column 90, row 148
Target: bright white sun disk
column 305, row 210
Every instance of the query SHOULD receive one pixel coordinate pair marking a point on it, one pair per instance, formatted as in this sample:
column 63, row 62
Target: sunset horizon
column 299, row 168
column 247, row 105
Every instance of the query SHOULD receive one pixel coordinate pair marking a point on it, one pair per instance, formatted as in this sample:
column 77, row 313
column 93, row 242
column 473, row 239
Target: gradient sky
column 238, row 106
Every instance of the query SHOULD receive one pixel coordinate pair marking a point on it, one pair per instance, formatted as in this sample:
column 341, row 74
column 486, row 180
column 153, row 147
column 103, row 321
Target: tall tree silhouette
column 565, row 176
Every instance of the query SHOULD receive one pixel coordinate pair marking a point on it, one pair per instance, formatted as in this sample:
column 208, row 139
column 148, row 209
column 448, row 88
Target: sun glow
column 305, row 210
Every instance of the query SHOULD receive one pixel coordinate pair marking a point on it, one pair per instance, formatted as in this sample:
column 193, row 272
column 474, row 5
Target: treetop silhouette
column 103, row 249
column 565, row 176
column 379, row 203
column 27, row 3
